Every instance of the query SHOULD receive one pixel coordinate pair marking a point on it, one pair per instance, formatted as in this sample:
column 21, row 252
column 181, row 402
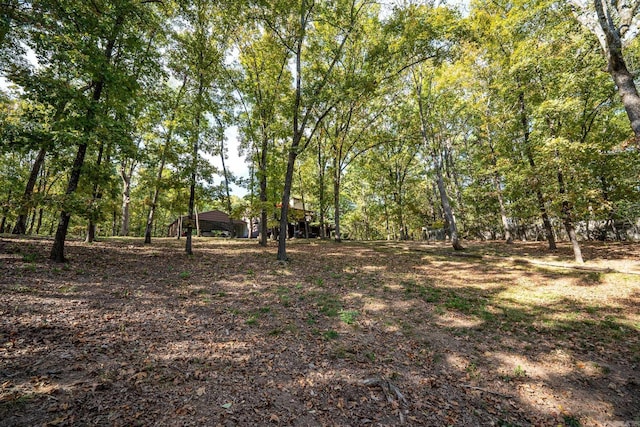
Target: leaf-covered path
column 351, row 334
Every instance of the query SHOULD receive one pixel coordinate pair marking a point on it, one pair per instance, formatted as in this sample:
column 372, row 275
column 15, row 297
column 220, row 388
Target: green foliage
column 500, row 101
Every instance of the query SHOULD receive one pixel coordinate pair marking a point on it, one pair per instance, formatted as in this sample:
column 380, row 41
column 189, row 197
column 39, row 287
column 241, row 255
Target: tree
column 310, row 31
column 169, row 106
column 262, row 90
column 615, row 24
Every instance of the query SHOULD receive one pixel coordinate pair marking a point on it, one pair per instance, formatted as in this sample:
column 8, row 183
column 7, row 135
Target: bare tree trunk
column 503, row 212
column 286, row 197
column 33, row 221
column 617, row 67
column 5, row 210
column 496, row 181
column 57, row 251
column 226, row 183
column 304, row 206
column 39, row 224
column 194, row 166
column 568, row 221
column 446, row 207
column 321, row 170
column 197, row 223
column 97, row 195
column 126, row 199
column 541, row 202
column 336, row 200
column 126, row 195
column 21, row 223
column 163, row 159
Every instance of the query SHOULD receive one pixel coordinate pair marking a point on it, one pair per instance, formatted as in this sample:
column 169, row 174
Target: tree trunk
column 163, row 159
column 446, row 207
column 57, row 251
column 194, row 166
column 39, row 224
column 336, row 200
column 617, row 67
column 568, row 221
column 5, row 210
column 321, row 169
column 21, row 223
column 33, row 221
column 628, row 93
column 541, row 202
column 503, row 212
column 226, row 185
column 197, row 222
column 286, row 196
column 304, row 206
column 97, row 195
column 126, row 197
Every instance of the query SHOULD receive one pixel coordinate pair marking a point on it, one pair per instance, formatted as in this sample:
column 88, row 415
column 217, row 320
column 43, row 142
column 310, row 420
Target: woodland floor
column 370, row 333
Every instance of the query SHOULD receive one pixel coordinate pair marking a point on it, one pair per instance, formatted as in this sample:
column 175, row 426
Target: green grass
column 29, row 257
column 330, row 334
column 348, row 316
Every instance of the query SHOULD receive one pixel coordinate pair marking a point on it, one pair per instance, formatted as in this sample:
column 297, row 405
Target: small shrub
column 518, row 372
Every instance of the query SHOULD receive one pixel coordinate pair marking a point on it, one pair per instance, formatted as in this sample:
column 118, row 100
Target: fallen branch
column 390, row 390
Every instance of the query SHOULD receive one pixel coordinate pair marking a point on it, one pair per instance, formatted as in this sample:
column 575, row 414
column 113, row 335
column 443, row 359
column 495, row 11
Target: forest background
column 501, row 119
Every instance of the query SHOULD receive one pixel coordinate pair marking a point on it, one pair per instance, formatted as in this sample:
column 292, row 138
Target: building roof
column 213, row 216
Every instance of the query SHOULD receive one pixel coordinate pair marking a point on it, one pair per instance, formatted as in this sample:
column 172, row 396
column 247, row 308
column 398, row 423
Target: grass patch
column 348, row 316
column 29, row 257
column 330, row 335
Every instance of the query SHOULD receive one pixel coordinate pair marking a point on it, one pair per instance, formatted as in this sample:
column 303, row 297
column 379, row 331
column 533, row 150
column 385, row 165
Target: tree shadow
column 146, row 335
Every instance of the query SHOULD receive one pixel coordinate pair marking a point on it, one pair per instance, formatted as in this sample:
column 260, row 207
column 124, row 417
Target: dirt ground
column 351, row 334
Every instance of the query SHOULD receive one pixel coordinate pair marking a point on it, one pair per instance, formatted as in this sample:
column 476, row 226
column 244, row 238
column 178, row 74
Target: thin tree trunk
column 496, row 181
column 541, row 202
column 33, row 221
column 163, row 159
column 262, row 177
column 57, row 251
column 336, row 200
column 568, row 221
column 321, row 169
column 194, row 166
column 262, row 180
column 446, row 207
column 5, row 210
column 97, row 195
column 304, row 206
column 21, row 223
column 126, row 195
column 197, row 223
column 126, row 199
column 386, row 219
column 286, row 197
column 503, row 212
column 39, row 224
column 226, row 185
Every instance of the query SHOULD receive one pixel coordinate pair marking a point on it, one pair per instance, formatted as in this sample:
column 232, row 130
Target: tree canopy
column 509, row 119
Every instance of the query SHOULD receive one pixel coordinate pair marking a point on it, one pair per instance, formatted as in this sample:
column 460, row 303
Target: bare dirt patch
column 345, row 334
